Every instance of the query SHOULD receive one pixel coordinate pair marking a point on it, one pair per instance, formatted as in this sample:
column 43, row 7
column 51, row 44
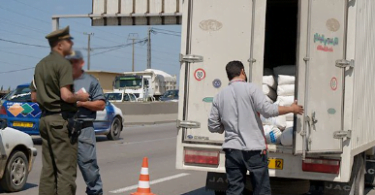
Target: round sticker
column 216, row 83
column 333, row 83
column 199, row 74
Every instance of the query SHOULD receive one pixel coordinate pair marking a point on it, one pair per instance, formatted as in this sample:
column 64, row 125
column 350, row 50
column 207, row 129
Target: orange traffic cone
column 144, row 180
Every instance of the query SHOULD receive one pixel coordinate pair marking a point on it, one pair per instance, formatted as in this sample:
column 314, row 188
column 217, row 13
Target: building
column 105, row 78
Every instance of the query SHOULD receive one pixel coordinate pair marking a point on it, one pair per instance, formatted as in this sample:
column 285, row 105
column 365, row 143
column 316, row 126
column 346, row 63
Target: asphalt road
column 120, row 162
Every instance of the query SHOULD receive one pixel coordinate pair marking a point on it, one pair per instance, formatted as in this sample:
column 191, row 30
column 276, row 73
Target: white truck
column 145, row 85
column 332, row 45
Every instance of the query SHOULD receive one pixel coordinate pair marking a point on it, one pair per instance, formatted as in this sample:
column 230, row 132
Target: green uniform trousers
column 59, row 157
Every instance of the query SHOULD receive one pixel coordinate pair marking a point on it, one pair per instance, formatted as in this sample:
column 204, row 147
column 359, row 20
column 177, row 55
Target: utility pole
column 133, row 37
column 149, row 48
column 88, row 48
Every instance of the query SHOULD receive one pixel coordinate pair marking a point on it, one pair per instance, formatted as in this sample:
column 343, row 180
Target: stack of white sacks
column 269, row 87
column 279, row 130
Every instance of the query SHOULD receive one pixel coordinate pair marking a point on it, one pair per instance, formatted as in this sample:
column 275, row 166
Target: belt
column 46, row 113
column 64, row 114
column 87, row 124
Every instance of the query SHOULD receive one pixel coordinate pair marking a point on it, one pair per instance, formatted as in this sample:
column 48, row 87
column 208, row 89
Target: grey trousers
column 87, row 161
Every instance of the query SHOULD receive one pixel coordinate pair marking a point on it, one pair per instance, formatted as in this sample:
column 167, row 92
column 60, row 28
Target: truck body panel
column 336, row 124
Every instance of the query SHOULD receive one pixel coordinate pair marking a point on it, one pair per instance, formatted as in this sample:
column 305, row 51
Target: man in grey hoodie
column 235, row 111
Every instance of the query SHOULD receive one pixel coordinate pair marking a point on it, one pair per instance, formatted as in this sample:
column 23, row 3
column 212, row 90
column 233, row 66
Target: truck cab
column 139, row 85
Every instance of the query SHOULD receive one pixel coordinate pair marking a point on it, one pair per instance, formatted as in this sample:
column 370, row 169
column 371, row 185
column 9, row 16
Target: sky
column 24, row 25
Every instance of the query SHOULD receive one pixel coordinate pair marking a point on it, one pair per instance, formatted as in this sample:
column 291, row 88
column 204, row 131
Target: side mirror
column 3, row 123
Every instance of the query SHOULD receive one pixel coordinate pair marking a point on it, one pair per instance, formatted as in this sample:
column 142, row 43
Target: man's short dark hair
column 53, row 42
column 234, row 69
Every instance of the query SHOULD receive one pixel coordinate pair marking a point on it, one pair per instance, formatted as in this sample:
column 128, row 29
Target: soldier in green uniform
column 52, row 89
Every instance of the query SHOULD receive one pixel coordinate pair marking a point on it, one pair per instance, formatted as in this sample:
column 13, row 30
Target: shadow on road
column 27, row 186
column 200, row 191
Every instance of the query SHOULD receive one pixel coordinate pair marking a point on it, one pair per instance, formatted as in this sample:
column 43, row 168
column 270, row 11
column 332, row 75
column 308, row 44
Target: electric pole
column 133, row 37
column 88, row 48
column 149, row 48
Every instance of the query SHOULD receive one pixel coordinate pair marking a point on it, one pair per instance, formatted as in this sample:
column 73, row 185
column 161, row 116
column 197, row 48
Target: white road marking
column 151, row 183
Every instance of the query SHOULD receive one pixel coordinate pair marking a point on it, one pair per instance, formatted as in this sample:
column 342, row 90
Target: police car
column 24, row 115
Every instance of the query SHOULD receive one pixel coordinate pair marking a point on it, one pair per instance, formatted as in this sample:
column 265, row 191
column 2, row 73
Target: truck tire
column 359, row 168
column 289, row 186
column 114, row 133
column 356, row 185
column 220, row 193
column 15, row 173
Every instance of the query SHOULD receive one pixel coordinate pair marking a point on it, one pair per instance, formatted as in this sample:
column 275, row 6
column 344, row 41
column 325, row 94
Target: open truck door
column 211, row 37
column 321, row 77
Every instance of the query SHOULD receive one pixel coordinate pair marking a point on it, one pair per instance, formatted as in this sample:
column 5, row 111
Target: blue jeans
column 238, row 162
column 87, row 161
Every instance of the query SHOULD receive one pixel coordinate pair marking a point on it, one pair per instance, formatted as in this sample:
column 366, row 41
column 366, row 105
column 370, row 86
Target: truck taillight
column 321, row 165
column 2, row 110
column 207, row 157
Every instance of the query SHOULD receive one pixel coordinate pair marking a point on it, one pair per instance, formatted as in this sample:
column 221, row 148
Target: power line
column 157, row 32
column 17, row 70
column 72, row 20
column 12, row 64
column 21, row 43
column 167, row 30
column 19, row 54
column 28, row 16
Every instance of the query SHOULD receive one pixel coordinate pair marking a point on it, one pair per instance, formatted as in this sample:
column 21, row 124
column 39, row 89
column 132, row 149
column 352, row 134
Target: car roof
column 24, row 85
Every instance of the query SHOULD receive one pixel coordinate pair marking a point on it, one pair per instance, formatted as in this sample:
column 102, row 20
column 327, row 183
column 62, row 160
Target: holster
column 74, row 128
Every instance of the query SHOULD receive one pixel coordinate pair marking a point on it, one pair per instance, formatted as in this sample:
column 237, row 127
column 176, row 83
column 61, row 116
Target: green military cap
column 60, row 34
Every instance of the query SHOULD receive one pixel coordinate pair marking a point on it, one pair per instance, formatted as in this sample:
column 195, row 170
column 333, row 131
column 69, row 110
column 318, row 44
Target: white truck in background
column 146, row 85
column 331, row 43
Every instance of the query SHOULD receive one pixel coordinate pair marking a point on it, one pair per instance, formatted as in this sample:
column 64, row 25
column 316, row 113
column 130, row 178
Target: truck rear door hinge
column 342, row 134
column 342, row 63
column 188, row 124
column 191, row 58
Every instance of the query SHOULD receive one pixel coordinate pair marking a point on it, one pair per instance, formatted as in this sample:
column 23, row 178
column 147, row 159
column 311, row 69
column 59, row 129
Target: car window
column 113, row 96
column 132, row 97
column 126, row 97
column 20, row 94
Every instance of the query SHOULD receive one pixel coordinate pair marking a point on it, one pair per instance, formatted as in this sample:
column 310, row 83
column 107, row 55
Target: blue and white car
column 24, row 115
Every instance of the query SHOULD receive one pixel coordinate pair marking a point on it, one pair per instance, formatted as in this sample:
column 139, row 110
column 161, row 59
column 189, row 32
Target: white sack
column 270, row 81
column 269, row 92
column 285, row 90
column 289, row 124
column 272, row 134
column 289, row 117
column 278, row 121
column 286, row 137
column 285, row 100
column 284, row 70
column 286, row 79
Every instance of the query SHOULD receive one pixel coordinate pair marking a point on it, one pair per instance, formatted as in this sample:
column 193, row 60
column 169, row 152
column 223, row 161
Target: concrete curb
column 149, row 123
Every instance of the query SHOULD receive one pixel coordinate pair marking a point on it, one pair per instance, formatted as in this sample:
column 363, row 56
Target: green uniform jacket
column 51, row 74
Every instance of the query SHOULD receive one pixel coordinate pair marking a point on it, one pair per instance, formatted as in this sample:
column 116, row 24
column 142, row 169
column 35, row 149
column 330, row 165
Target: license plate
column 23, row 124
column 275, row 163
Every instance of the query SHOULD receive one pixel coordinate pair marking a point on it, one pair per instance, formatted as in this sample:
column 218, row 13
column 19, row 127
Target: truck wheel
column 289, row 186
column 114, row 133
column 220, row 192
column 359, row 168
column 356, row 185
column 16, row 172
